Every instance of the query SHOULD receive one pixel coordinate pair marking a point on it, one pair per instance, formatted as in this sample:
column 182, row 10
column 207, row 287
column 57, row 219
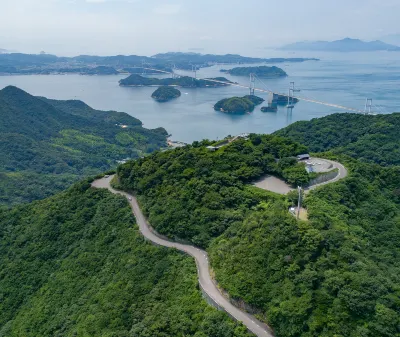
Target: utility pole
column 299, row 202
column 252, row 84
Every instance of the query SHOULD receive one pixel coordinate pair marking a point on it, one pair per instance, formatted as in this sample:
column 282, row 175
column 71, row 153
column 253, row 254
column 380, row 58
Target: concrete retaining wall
column 323, row 178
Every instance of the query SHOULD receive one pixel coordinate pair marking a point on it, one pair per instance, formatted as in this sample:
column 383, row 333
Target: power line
column 270, row 91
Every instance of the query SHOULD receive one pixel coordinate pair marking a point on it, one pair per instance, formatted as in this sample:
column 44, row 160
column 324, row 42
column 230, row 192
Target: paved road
column 342, row 174
column 203, row 269
column 278, row 185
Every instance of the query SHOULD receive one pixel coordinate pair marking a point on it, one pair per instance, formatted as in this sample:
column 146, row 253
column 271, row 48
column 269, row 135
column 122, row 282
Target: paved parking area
column 318, row 165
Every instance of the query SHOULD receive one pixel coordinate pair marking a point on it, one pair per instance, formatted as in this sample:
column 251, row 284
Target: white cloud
column 167, row 9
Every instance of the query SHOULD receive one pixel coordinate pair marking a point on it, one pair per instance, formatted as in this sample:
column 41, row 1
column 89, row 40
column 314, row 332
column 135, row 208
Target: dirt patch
column 273, row 184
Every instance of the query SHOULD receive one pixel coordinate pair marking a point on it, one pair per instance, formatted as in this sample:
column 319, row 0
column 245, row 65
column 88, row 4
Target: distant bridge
column 252, row 88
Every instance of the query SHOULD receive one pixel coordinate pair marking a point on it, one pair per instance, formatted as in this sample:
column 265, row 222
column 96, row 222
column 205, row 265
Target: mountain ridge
column 343, row 45
column 48, row 144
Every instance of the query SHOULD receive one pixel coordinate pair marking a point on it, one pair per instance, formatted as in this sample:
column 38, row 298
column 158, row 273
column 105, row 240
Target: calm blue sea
column 341, row 78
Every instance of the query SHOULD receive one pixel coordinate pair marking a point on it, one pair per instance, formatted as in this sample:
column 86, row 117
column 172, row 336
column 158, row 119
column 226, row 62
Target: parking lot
column 318, row 165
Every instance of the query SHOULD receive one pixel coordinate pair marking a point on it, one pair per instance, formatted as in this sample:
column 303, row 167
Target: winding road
column 203, row 268
column 278, row 185
column 342, row 173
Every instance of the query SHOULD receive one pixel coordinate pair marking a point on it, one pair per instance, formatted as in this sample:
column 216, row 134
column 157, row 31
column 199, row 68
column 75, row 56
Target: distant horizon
column 201, row 51
column 110, row 27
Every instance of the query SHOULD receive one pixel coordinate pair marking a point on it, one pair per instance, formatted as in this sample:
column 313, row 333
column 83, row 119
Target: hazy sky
column 145, row 27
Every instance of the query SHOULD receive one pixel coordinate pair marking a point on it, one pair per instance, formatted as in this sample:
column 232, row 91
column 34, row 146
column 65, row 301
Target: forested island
column 165, row 94
column 48, row 144
column 135, row 80
column 238, row 104
column 261, row 71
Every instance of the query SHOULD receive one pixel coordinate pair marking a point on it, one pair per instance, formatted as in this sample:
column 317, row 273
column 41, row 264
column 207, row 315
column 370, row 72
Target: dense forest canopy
column 196, row 194
column 75, row 264
column 373, row 139
column 46, row 145
column 336, row 274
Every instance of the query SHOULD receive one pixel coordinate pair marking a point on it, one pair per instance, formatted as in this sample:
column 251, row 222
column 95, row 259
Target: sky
column 146, row 27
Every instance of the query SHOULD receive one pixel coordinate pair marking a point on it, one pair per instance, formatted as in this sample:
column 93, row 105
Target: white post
column 299, row 203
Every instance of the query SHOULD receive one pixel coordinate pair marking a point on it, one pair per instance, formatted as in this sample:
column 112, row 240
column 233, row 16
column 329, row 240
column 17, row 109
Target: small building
column 305, row 156
column 212, row 148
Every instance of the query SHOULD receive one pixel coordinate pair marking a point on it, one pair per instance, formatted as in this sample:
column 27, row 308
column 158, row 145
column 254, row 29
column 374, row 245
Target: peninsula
column 135, row 80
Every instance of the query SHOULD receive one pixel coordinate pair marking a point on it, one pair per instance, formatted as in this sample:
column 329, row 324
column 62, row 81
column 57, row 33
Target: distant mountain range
column 3, row 51
column 391, row 39
column 345, row 45
column 18, row 63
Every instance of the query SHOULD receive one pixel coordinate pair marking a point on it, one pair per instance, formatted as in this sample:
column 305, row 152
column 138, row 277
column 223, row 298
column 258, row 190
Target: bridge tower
column 174, row 75
column 368, row 106
column 290, row 104
column 194, row 70
column 143, row 67
column 252, row 84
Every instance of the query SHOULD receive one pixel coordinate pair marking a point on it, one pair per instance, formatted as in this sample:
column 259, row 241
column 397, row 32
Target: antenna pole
column 299, row 202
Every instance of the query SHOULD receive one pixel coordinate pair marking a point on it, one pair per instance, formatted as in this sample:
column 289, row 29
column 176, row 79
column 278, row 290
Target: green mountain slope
column 75, row 264
column 336, row 274
column 196, row 194
column 368, row 138
column 45, row 140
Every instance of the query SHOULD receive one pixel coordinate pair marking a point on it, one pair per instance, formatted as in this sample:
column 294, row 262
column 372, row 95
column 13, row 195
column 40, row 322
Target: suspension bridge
column 252, row 88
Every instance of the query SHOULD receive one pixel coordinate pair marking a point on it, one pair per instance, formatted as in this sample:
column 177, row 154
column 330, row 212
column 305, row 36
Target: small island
column 135, row 80
column 238, row 105
column 165, row 94
column 261, row 71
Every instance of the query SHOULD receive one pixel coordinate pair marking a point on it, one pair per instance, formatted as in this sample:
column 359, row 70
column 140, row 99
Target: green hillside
column 368, row 138
column 336, row 274
column 197, row 194
column 47, row 144
column 75, row 264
